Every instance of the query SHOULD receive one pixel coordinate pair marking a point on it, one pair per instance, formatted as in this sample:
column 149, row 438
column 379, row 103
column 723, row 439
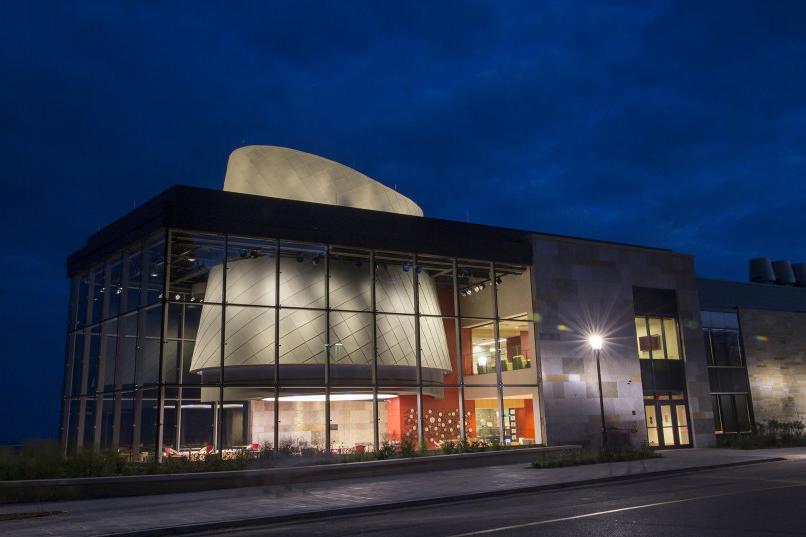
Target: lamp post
column 596, row 343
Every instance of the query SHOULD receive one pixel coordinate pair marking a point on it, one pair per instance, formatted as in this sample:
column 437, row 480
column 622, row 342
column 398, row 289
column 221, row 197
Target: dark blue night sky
column 664, row 123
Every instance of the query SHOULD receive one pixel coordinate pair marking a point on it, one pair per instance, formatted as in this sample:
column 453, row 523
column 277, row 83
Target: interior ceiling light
column 320, row 397
column 192, row 259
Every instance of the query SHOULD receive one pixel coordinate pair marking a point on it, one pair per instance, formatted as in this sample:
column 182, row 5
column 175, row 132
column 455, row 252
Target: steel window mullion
column 375, row 417
column 327, row 351
column 223, row 341
column 276, row 432
column 497, row 347
column 457, row 328
column 166, row 261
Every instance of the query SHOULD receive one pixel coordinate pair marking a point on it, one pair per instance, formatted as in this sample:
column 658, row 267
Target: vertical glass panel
column 644, row 342
column 72, row 426
column 197, row 423
column 170, row 428
column 149, row 413
column 481, row 410
column 478, row 351
column 717, row 414
column 439, row 356
column 350, row 287
column 107, row 421
column 515, row 342
column 78, row 362
column 114, row 291
column 302, row 346
column 727, row 351
column 260, row 412
column 682, row 433
column 655, row 340
column 202, row 357
column 109, row 347
column 133, row 278
column 171, row 362
column 127, row 350
column 93, row 364
column 475, row 289
column 125, row 435
column 351, row 348
column 148, row 352
column 398, row 416
column 442, row 416
column 302, row 274
column 82, row 300
column 252, row 271
column 521, row 426
column 302, row 421
column 680, row 411
column 743, row 413
column 89, row 424
column 396, row 344
column 197, row 267
column 709, row 355
column 154, row 252
column 98, row 293
column 666, row 422
column 652, row 425
column 351, row 420
column 249, row 345
column 672, row 346
column 394, row 282
column 435, row 285
column 235, row 424
column 514, row 290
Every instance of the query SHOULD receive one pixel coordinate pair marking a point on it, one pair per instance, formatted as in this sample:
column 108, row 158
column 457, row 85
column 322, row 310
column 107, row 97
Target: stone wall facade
column 582, row 287
column 775, row 352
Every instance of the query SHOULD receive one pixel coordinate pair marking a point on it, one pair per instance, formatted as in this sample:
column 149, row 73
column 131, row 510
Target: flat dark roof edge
column 200, row 209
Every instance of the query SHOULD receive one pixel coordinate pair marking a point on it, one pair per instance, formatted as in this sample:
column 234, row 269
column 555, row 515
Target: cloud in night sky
column 671, row 124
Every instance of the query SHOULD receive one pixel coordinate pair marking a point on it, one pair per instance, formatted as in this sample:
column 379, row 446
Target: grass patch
column 593, row 456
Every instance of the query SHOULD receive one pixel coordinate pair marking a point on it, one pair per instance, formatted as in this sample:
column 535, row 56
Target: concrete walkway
column 145, row 515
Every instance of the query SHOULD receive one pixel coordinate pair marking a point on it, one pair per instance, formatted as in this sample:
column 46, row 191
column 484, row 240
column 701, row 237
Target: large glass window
column 657, row 338
column 355, row 342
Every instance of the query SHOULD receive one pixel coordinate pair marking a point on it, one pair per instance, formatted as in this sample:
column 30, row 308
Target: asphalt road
column 763, row 499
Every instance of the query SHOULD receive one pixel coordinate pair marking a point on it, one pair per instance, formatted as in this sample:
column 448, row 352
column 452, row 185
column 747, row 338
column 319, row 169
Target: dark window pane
column 726, row 347
column 743, row 413
column 728, row 408
column 709, row 355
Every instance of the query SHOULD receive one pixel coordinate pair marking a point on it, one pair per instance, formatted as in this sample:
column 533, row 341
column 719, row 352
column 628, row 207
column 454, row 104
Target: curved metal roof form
column 280, row 172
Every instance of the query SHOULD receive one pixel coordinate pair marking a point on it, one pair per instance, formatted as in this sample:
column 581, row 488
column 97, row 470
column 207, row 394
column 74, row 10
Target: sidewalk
column 140, row 514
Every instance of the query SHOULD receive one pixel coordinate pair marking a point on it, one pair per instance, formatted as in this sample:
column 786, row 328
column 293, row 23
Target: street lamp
column 597, row 342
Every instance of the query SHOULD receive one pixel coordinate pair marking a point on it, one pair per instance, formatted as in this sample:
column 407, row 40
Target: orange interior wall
column 525, row 420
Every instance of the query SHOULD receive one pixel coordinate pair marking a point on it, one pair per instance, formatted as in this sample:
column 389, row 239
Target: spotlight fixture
column 316, row 260
column 192, row 259
column 300, row 258
column 498, row 280
column 481, row 286
column 477, row 288
column 177, row 296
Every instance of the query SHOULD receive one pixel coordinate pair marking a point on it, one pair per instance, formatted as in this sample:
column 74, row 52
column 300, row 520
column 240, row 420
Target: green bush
column 772, row 434
column 593, row 456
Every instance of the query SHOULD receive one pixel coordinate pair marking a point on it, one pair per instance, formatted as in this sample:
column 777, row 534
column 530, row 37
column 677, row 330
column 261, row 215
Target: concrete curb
column 344, row 511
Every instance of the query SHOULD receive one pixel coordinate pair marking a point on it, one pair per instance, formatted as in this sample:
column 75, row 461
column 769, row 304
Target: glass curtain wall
column 261, row 343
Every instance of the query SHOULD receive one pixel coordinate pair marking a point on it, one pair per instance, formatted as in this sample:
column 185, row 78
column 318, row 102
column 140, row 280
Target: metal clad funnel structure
column 783, row 272
column 761, row 270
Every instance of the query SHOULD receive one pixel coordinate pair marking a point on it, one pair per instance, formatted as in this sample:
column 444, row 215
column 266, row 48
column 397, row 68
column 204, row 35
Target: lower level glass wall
column 264, row 344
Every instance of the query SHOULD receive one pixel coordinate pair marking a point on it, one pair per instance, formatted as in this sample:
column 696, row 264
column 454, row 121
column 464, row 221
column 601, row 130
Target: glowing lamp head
column 596, row 342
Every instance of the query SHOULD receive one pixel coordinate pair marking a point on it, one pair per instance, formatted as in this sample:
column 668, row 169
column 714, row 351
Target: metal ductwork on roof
column 783, row 272
column 799, row 269
column 761, row 270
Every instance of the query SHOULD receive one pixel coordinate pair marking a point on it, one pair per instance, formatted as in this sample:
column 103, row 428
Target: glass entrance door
column 667, row 423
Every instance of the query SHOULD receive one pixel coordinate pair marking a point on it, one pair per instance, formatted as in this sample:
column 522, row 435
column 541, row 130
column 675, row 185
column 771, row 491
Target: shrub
column 772, row 434
column 593, row 456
